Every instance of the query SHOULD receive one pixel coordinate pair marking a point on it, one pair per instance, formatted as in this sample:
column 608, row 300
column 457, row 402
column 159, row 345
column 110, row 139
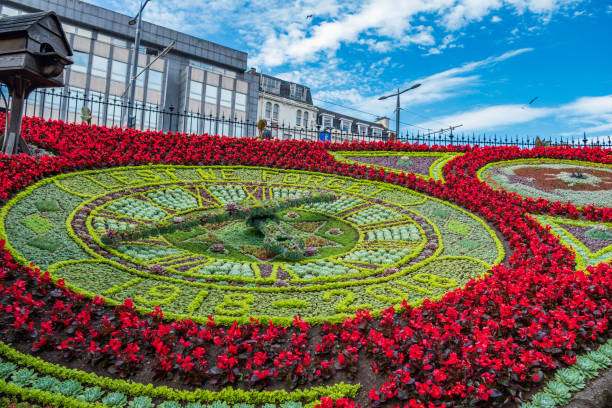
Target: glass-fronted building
column 197, row 80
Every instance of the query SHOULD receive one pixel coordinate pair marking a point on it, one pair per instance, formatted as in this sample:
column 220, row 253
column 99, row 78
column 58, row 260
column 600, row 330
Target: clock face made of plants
column 581, row 183
column 372, row 247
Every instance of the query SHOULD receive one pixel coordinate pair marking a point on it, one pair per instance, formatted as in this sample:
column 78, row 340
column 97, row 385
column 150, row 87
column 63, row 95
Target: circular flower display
column 371, row 247
column 555, row 180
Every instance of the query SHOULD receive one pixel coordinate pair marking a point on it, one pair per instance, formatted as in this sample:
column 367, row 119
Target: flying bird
column 309, row 16
column 530, row 102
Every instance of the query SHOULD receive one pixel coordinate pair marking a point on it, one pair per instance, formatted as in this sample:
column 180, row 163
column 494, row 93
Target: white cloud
column 385, row 25
column 444, row 85
column 592, row 114
column 278, row 32
column 495, row 19
column 491, row 117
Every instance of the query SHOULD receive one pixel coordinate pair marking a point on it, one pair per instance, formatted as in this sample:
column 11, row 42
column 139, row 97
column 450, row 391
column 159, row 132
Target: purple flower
column 217, row 248
column 310, row 251
column 231, row 207
column 157, row 269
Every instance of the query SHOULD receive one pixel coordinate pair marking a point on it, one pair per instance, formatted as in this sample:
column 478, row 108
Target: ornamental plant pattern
column 578, row 182
column 591, row 241
column 484, row 344
column 422, row 164
column 223, row 267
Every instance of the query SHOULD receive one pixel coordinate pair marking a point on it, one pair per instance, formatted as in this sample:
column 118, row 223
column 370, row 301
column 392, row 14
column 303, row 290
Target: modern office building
column 195, row 80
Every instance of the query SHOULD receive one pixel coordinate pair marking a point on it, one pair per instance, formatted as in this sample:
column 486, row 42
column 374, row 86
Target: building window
column 9, row 11
column 114, row 111
column 327, row 122
column 195, row 90
column 76, row 30
column 53, row 99
column 191, row 124
column 140, row 79
column 268, row 110
column 81, row 60
column 275, row 113
column 224, row 127
column 119, row 43
column 96, row 101
column 297, row 92
column 362, row 129
column 155, row 81
column 238, row 130
column 298, row 118
column 68, row 29
column 345, row 125
column 99, row 66
column 226, row 98
column 103, row 38
column 271, row 85
column 240, row 103
column 212, row 68
column 151, row 116
column 305, row 119
column 118, row 71
column 211, row 94
column 110, row 40
column 209, row 126
column 376, row 132
column 76, row 99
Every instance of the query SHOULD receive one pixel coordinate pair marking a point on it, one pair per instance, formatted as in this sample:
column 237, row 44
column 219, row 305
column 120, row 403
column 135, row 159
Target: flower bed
column 581, row 183
column 484, row 343
column 423, row 164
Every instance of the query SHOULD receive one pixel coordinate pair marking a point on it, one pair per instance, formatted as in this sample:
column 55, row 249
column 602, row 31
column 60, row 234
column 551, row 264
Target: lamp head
column 132, row 21
column 382, row 97
column 415, row 86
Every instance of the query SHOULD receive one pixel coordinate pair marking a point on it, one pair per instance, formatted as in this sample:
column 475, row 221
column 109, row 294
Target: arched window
column 275, row 113
column 298, row 118
column 305, row 119
column 268, row 109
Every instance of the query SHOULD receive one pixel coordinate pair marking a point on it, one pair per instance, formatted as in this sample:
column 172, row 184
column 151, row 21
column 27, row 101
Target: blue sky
column 480, row 62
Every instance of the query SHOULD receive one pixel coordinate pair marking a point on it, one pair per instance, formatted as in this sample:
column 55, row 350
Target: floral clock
column 372, row 247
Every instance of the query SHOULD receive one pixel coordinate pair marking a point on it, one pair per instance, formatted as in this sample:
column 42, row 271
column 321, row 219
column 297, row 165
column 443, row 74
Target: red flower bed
column 484, row 344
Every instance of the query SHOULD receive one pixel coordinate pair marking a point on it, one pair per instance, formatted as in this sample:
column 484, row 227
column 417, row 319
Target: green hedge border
column 229, row 394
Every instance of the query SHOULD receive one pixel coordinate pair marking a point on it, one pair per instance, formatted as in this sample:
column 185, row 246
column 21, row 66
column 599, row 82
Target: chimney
column 384, row 121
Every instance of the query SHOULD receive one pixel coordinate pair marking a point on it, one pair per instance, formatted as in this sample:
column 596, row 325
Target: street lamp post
column 138, row 21
column 397, row 105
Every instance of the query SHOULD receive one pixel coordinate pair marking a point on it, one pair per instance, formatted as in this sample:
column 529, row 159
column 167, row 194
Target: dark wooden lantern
column 33, row 53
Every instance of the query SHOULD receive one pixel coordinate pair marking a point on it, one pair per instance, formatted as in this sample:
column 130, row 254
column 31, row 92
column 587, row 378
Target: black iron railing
column 104, row 110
